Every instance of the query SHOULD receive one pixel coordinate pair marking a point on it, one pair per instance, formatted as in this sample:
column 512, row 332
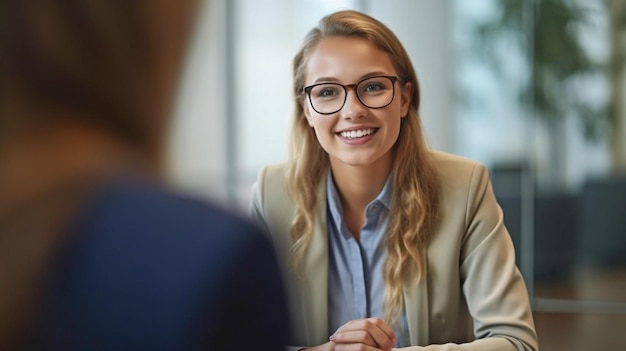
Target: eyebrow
column 365, row 76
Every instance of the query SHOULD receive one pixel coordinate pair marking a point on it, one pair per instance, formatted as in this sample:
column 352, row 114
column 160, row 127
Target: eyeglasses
column 372, row 92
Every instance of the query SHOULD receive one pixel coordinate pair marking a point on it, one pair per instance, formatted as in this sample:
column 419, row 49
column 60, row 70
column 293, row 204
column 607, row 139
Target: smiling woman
column 384, row 242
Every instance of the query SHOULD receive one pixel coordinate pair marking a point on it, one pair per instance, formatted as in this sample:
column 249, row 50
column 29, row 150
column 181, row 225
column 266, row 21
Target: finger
column 375, row 326
column 353, row 336
column 355, row 347
column 377, row 329
column 384, row 328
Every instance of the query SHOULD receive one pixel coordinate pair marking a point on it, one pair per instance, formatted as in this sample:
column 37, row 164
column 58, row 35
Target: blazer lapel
column 315, row 290
column 417, row 313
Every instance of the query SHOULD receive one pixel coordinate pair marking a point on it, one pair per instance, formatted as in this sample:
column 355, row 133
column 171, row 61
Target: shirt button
column 375, row 207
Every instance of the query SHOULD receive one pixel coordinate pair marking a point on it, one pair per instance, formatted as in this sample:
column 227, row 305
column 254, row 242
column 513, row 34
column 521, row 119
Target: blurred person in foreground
column 95, row 252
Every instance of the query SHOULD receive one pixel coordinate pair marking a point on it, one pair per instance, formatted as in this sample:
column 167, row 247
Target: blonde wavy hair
column 414, row 201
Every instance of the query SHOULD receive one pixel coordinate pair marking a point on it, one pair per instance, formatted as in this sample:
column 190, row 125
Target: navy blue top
column 146, row 269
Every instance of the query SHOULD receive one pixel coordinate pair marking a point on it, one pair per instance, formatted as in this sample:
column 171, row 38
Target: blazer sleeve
column 492, row 286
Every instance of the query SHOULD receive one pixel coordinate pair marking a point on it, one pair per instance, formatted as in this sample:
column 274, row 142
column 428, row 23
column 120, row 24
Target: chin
column 356, row 161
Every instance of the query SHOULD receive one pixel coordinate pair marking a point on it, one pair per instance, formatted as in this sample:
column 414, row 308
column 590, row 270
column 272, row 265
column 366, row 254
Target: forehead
column 346, row 59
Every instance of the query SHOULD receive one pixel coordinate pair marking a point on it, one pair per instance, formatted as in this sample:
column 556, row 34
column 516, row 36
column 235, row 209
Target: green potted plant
column 547, row 32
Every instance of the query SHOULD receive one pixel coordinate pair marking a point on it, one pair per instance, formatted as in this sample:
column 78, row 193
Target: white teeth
column 357, row 133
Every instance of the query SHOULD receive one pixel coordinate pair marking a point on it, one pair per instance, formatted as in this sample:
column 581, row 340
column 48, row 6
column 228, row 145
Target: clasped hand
column 371, row 334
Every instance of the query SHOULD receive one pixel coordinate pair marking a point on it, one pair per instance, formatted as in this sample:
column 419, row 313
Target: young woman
column 384, row 242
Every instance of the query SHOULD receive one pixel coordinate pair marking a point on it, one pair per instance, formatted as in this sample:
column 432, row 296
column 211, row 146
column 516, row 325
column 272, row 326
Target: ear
column 307, row 111
column 405, row 98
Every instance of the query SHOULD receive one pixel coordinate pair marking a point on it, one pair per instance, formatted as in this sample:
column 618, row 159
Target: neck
column 357, row 187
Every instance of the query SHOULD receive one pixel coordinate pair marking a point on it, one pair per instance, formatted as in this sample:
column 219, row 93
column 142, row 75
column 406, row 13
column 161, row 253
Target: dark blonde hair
column 415, row 184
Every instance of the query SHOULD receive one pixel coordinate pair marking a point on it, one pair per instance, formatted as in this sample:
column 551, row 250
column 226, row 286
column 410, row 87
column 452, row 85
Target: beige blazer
column 472, row 296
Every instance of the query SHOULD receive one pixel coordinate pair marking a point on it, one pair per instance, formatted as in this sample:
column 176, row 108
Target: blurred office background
column 535, row 89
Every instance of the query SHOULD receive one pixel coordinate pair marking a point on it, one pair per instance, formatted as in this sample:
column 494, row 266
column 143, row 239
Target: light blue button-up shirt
column 355, row 280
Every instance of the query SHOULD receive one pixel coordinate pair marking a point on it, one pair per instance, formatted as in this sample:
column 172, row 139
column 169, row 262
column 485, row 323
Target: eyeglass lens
column 375, row 92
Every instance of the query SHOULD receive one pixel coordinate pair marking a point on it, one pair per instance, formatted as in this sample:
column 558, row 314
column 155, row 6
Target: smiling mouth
column 355, row 134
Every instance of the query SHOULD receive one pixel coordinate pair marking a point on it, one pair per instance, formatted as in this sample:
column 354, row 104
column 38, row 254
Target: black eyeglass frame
column 307, row 90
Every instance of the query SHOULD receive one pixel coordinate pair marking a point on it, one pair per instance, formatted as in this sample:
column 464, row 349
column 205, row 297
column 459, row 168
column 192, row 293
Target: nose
column 353, row 108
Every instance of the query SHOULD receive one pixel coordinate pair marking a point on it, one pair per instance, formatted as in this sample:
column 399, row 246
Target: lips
column 357, row 133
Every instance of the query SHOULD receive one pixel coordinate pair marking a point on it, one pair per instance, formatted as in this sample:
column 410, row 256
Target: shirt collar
column 334, row 202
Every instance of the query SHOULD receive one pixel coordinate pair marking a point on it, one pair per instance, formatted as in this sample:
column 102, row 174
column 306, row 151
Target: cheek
column 320, row 126
column 323, row 130
column 394, row 123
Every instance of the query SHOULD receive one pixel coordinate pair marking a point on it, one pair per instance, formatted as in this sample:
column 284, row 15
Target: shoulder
column 149, row 231
column 141, row 245
column 270, row 191
column 161, row 219
column 449, row 165
column 459, row 173
column 464, row 185
column 272, row 178
column 272, row 206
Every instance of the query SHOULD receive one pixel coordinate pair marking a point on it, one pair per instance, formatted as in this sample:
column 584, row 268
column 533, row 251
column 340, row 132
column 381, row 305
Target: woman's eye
column 373, row 87
column 327, row 92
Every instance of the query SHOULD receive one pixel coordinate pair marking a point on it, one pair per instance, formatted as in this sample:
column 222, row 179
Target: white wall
column 196, row 158
column 269, row 35
column 423, row 27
